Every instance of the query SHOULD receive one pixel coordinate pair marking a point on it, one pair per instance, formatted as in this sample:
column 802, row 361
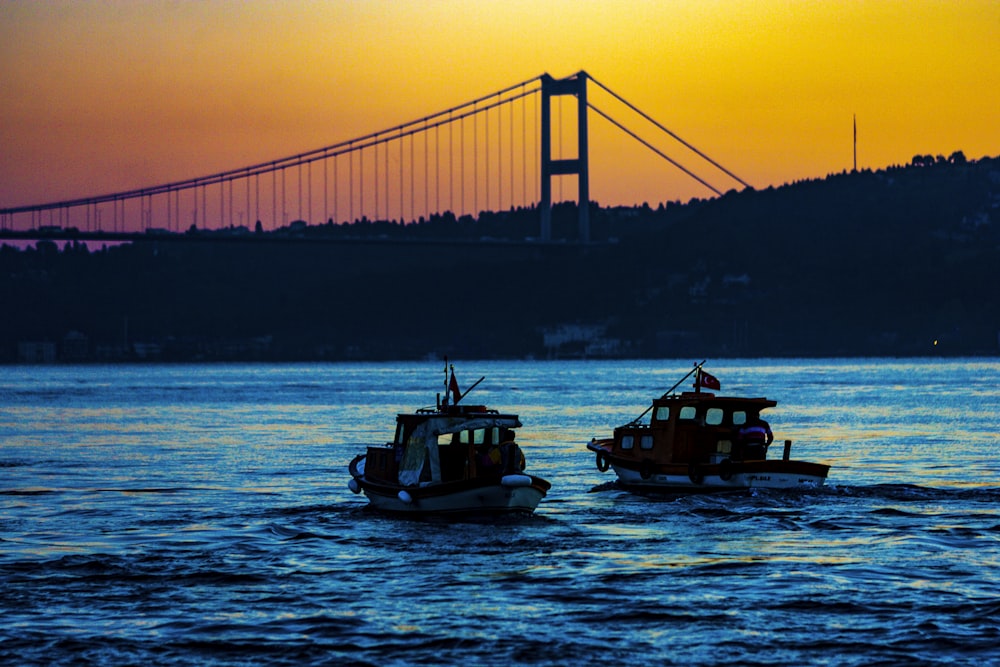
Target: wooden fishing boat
column 697, row 441
column 452, row 459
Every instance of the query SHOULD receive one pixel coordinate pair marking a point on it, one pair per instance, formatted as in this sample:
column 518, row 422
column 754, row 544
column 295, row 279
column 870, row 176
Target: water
column 174, row 515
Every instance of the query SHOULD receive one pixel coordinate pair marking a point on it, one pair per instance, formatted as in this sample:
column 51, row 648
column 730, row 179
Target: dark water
column 200, row 515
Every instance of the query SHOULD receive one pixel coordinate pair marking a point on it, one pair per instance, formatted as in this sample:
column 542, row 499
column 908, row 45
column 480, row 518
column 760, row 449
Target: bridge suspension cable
column 656, row 150
column 661, row 127
column 420, row 125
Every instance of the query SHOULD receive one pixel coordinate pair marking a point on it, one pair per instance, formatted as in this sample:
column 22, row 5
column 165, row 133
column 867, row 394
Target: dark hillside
column 897, row 262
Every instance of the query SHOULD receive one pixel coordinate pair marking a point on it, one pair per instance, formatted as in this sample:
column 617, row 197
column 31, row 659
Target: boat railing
column 480, row 411
column 636, row 425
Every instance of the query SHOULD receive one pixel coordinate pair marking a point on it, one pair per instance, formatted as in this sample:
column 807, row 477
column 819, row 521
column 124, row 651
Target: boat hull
column 512, row 494
column 711, row 478
column 484, row 500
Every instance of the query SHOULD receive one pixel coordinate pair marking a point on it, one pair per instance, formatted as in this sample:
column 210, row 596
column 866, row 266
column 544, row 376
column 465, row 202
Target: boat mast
column 441, row 404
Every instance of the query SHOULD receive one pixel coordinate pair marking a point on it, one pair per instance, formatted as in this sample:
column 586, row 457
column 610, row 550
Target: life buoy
column 695, row 474
column 725, row 470
column 603, row 462
column 646, row 469
column 515, row 480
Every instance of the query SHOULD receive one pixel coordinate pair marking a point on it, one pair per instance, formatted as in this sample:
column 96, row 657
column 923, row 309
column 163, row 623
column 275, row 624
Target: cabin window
column 628, row 441
column 739, row 418
column 687, row 412
column 713, row 416
column 463, row 437
column 662, row 414
column 445, row 438
column 479, row 436
column 646, row 442
column 495, row 435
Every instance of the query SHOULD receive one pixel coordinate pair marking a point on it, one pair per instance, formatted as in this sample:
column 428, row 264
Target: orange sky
column 99, row 97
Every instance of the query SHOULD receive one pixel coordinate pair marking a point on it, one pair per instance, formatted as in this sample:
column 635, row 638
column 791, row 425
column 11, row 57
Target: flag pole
column 697, row 367
column 445, row 381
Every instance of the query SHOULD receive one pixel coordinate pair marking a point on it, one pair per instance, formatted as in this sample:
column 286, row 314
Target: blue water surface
column 175, row 515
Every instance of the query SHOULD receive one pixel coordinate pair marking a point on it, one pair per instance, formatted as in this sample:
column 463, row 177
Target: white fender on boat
column 405, row 497
column 515, row 480
column 354, row 486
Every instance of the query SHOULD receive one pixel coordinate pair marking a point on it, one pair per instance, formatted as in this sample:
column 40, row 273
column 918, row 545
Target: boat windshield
column 475, row 436
column 485, row 436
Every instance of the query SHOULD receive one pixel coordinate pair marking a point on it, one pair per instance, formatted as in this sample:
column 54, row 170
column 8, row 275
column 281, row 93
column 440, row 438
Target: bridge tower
column 575, row 85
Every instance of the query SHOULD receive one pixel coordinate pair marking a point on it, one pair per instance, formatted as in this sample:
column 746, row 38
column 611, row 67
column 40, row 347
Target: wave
column 886, row 491
column 914, row 492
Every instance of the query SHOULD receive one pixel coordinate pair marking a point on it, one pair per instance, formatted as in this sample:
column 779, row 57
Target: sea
column 200, row 514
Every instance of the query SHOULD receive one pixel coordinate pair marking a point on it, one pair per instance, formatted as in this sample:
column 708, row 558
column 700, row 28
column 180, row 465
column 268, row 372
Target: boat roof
column 707, row 397
column 452, row 411
column 452, row 418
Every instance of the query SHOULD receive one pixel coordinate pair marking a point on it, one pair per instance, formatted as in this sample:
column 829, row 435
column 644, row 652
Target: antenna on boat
column 451, row 387
column 697, row 367
column 466, row 392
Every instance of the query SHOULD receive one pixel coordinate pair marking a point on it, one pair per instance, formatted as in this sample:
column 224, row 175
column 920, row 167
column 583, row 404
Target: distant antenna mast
column 855, row 142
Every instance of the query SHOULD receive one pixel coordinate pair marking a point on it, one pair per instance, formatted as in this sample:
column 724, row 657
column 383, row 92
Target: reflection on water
column 200, row 514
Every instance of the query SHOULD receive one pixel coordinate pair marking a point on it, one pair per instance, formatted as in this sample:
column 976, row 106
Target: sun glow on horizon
column 103, row 97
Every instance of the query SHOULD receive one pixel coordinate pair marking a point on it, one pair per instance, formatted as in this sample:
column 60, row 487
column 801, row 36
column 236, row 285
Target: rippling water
column 200, row 515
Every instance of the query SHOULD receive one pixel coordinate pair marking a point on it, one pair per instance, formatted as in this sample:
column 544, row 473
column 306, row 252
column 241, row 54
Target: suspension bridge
column 502, row 151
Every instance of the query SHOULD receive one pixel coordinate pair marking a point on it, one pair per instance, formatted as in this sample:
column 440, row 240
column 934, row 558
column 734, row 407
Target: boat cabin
column 697, row 428
column 445, row 445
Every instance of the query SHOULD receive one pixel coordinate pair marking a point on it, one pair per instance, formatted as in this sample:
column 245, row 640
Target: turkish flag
column 708, row 381
column 453, row 388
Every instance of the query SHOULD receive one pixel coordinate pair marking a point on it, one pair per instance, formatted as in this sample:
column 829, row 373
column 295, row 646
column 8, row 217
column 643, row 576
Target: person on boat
column 488, row 460
column 754, row 437
column 489, row 457
column 511, row 457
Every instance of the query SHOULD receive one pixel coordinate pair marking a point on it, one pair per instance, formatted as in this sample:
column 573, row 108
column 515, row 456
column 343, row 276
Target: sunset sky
column 104, row 96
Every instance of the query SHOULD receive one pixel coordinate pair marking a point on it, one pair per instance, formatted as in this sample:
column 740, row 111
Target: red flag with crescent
column 708, row 381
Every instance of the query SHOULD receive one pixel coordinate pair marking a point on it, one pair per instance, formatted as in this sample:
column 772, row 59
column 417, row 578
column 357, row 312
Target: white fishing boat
column 452, row 459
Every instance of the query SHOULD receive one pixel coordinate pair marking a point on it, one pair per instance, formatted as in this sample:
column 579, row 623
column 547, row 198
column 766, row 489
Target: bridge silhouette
column 499, row 151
